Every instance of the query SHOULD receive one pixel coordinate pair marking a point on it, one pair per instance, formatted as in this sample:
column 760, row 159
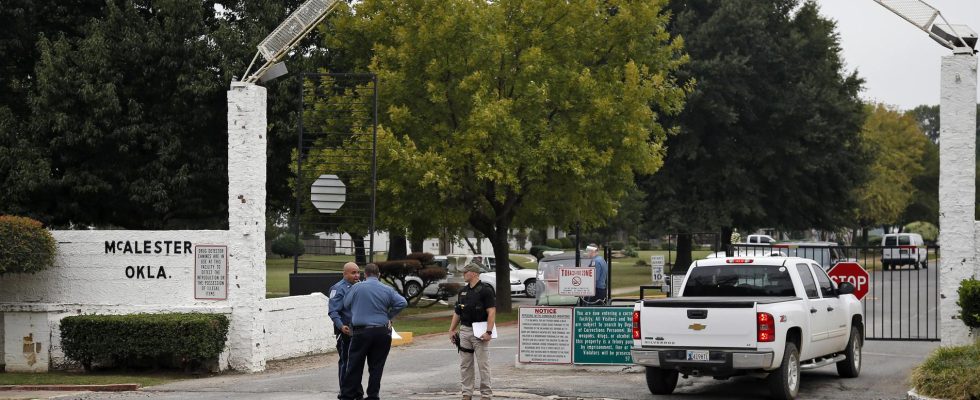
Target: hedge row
column 25, row 246
column 185, row 339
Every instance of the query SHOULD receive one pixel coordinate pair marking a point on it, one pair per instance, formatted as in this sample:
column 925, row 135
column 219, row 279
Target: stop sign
column 852, row 273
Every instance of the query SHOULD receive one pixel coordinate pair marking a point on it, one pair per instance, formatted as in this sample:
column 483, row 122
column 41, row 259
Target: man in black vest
column 476, row 305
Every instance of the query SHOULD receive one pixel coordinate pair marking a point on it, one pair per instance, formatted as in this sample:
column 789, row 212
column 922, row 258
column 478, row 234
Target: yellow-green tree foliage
column 897, row 145
column 527, row 112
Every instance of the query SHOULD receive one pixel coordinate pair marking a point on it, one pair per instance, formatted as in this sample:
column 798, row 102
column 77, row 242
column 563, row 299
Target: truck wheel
column 784, row 383
column 661, row 381
column 925, row 265
column 851, row 367
column 884, row 266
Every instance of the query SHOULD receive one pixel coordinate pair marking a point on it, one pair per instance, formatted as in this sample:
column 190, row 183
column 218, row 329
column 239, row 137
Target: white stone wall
column 957, row 166
column 85, row 272
column 297, row 326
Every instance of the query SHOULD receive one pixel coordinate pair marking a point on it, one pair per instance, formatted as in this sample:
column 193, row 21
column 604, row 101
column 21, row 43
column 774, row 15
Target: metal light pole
column 957, row 157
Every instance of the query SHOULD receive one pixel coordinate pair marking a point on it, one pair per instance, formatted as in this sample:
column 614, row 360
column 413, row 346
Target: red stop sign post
column 852, row 273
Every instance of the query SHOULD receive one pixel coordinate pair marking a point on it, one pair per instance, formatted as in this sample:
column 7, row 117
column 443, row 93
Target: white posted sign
column 545, row 335
column 210, row 272
column 328, row 194
column 576, row 281
column 657, row 270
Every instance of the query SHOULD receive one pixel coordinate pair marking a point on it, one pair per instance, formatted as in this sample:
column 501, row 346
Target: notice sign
column 576, row 282
column 603, row 335
column 545, row 335
column 210, row 272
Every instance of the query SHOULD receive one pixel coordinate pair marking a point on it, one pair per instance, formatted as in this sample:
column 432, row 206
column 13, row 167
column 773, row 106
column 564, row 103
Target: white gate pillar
column 957, row 174
column 246, row 224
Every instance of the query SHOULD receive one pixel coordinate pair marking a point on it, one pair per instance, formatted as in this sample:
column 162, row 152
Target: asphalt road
column 427, row 370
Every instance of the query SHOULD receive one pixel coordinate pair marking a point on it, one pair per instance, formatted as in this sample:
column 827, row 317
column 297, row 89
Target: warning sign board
column 545, row 335
column 576, row 282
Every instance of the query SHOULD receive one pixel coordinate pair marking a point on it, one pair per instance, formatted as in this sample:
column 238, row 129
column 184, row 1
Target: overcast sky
column 899, row 62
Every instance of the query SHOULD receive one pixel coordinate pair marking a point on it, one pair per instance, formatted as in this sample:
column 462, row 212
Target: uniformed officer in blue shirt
column 341, row 317
column 373, row 305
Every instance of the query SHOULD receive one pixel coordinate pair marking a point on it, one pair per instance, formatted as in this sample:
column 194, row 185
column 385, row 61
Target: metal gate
column 902, row 301
column 336, row 152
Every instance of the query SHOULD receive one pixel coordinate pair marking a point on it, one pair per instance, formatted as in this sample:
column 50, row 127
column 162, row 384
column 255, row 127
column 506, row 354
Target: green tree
column 532, row 112
column 898, row 146
column 769, row 137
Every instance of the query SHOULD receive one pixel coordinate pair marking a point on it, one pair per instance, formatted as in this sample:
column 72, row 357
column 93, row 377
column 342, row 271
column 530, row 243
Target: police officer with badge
column 476, row 304
column 341, row 317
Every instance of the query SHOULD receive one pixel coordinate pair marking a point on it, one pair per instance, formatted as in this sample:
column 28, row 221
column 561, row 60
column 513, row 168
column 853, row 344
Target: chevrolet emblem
column 696, row 327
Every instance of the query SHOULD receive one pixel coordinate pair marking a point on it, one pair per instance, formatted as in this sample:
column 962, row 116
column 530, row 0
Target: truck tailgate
column 700, row 322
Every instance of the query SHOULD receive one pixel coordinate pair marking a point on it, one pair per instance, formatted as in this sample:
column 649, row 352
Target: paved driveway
column 427, row 370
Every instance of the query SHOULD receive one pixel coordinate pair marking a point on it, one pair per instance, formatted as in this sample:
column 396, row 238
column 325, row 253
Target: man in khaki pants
column 476, row 305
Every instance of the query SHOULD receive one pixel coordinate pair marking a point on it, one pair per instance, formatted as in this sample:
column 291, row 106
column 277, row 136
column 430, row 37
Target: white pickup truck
column 736, row 316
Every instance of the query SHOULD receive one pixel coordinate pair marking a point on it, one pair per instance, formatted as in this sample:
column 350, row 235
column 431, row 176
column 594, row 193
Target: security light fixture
column 959, row 38
column 287, row 36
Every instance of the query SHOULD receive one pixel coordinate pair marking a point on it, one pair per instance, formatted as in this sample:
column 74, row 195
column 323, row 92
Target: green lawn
column 80, row 378
column 626, row 274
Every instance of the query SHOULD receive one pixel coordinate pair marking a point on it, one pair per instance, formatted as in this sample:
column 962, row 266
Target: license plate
column 697, row 355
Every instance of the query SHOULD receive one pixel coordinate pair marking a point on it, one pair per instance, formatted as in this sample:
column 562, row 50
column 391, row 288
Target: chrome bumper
column 739, row 359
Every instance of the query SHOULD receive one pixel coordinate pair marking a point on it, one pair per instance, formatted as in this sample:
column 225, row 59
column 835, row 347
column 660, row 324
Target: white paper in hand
column 395, row 335
column 479, row 328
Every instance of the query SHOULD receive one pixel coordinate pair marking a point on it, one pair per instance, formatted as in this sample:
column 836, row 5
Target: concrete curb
column 915, row 396
column 119, row 387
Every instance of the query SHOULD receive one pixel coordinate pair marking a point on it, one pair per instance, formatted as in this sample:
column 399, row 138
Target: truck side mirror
column 845, row 288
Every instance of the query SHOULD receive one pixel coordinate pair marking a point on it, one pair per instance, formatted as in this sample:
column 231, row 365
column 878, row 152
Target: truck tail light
column 739, row 260
column 766, row 327
column 636, row 325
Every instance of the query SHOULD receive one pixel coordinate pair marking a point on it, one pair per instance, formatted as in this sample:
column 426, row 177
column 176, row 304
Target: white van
column 903, row 249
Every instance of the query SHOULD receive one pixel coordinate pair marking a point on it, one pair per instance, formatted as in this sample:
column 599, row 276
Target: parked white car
column 735, row 316
column 903, row 249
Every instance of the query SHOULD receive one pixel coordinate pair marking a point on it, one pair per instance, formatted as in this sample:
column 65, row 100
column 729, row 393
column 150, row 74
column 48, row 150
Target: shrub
column 949, row 373
column 928, row 231
column 287, row 246
column 566, row 243
column 646, row 245
column 630, row 252
column 616, row 245
column 668, row 246
column 969, row 302
column 640, row 263
column 25, row 246
column 554, row 243
column 189, row 340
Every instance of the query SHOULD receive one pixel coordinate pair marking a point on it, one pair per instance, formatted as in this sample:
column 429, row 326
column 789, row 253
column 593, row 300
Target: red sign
column 852, row 273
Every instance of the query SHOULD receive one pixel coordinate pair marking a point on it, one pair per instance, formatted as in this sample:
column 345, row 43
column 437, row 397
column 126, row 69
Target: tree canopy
column 113, row 112
column 769, row 137
column 526, row 111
